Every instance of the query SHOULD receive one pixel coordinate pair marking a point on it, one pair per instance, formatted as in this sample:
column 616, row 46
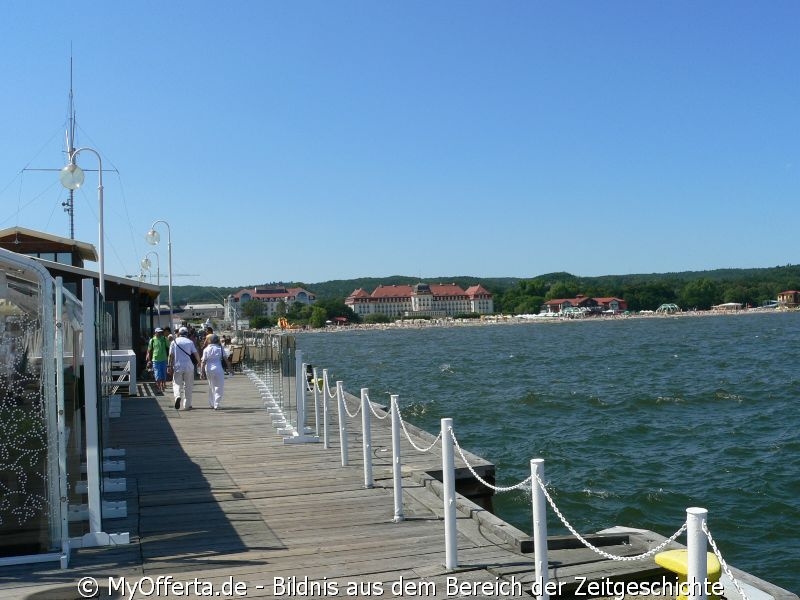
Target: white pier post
column 316, row 400
column 325, row 393
column 301, row 433
column 300, row 392
column 397, row 465
column 91, row 402
column 448, row 479
column 366, row 438
column 696, row 555
column 61, row 426
column 539, row 528
column 342, row 423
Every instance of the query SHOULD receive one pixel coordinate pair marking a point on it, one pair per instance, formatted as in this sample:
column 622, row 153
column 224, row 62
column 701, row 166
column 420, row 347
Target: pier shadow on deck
column 182, row 510
column 188, row 506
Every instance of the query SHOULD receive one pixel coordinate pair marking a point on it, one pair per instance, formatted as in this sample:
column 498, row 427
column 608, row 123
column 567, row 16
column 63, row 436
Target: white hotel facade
column 421, row 300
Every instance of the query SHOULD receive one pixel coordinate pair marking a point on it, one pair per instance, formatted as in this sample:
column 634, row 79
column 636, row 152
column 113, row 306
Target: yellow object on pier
column 677, row 561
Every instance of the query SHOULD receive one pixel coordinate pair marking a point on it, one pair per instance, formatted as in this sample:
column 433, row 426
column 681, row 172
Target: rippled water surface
column 636, row 419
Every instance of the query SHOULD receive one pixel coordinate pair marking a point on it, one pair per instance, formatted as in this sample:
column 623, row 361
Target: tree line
column 690, row 290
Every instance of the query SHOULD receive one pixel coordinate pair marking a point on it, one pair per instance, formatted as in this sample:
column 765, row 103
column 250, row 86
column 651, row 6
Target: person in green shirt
column 157, row 352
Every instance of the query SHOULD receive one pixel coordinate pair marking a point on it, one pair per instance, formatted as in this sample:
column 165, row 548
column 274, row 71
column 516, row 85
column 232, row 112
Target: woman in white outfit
column 179, row 363
column 211, row 366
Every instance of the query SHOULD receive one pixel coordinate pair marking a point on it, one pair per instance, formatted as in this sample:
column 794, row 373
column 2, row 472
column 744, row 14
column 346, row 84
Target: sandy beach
column 490, row 320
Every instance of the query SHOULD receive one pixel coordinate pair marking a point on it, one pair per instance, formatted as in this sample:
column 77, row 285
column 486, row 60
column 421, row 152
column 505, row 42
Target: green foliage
column 377, row 318
column 299, row 313
column 252, row 309
column 701, row 294
column 335, row 307
column 527, row 306
column 689, row 290
column 198, row 294
column 565, row 289
column 261, row 322
column 318, row 317
column 648, row 295
column 467, row 316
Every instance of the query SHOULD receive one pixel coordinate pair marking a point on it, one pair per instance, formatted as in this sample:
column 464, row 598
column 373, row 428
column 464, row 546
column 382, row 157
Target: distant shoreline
column 514, row 320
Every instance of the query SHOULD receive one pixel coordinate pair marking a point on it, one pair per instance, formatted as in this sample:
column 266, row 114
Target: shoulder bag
column 190, row 355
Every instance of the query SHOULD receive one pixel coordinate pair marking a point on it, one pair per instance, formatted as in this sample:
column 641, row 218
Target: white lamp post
column 146, row 265
column 72, row 178
column 153, row 238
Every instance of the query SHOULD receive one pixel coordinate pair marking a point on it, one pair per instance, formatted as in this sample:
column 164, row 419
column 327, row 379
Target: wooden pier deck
column 217, row 501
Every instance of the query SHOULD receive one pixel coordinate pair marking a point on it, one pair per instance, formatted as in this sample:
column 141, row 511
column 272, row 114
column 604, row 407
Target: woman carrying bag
column 212, row 366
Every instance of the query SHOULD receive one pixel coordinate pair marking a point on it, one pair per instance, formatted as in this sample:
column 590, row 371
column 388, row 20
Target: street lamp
column 72, row 177
column 153, row 238
column 146, row 265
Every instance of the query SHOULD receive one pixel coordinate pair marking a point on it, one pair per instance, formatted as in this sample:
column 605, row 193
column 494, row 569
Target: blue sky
column 311, row 141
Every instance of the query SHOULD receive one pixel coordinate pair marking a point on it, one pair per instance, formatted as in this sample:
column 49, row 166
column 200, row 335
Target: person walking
column 170, row 338
column 157, row 352
column 195, row 339
column 183, row 368
column 209, row 331
column 212, row 365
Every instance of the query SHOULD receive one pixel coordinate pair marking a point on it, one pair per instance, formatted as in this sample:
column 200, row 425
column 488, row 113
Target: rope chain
column 344, row 403
column 408, row 436
column 327, row 386
column 372, row 409
column 722, row 562
column 525, row 483
column 603, row 553
column 349, row 414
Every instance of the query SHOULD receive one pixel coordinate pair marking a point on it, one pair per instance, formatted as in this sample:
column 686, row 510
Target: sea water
column 636, row 419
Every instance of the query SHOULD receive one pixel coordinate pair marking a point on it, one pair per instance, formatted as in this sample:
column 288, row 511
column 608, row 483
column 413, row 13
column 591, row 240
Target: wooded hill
column 516, row 295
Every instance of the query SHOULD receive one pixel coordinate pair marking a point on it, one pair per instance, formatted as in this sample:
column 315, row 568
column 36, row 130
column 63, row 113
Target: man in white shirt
column 180, row 364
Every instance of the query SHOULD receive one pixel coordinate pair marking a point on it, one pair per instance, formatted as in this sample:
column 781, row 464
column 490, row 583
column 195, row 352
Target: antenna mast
column 69, row 204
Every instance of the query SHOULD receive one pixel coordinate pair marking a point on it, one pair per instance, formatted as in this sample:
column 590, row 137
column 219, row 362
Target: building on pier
column 131, row 304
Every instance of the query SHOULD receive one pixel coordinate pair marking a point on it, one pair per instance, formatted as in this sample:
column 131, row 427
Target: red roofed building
column 615, row 305
column 422, row 299
column 591, row 305
column 272, row 296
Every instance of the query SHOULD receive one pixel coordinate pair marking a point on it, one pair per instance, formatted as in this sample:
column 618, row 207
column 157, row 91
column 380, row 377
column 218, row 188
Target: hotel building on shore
column 421, row 300
column 271, row 296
